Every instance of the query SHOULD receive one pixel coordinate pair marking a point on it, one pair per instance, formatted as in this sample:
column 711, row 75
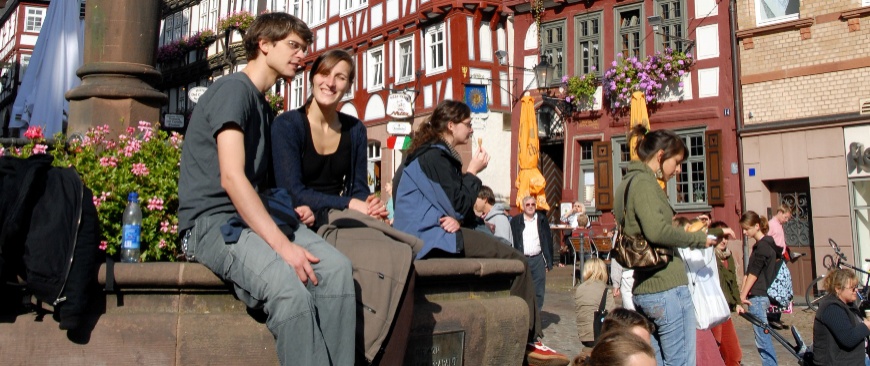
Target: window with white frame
column 375, row 73
column 553, row 48
column 688, row 190
column 213, row 7
column 316, row 11
column 245, row 5
column 352, row 5
column 588, row 36
column 691, row 183
column 629, row 41
column 33, row 21
column 775, row 11
column 180, row 24
column 436, row 44
column 295, row 8
column 673, row 25
column 373, row 151
column 297, row 93
column 405, row 60
column 167, row 29
column 587, row 176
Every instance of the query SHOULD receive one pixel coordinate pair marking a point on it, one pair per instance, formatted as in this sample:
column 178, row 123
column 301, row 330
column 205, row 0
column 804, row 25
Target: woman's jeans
column 763, row 342
column 674, row 316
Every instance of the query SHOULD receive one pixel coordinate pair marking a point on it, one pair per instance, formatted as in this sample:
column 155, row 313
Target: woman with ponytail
column 760, row 273
column 434, row 200
column 661, row 294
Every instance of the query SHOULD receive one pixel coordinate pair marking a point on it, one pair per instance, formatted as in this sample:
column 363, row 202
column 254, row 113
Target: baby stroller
column 799, row 350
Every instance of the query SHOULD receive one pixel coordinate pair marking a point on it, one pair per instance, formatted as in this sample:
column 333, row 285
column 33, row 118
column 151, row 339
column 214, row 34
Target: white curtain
column 52, row 70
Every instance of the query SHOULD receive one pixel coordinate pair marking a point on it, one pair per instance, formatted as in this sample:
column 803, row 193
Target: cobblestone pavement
column 560, row 327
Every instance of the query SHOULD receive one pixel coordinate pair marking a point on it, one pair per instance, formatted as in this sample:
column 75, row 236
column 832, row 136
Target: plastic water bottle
column 132, row 229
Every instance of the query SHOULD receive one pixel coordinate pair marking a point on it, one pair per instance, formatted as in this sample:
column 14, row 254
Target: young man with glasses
column 301, row 282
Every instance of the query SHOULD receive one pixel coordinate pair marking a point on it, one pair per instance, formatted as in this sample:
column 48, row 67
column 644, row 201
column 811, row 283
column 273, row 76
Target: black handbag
column 635, row 252
column 598, row 317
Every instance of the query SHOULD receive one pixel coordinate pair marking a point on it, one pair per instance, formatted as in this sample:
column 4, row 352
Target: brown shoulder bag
column 635, row 252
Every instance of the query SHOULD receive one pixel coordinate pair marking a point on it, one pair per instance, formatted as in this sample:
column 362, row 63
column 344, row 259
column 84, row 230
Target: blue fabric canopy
column 52, row 70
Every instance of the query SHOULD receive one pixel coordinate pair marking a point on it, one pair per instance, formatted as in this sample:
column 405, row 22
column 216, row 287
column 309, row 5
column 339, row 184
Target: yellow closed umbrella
column 530, row 181
column 639, row 116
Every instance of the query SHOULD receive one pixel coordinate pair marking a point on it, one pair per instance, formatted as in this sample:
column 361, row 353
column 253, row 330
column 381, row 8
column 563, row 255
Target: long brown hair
column 649, row 142
column 431, row 130
column 750, row 219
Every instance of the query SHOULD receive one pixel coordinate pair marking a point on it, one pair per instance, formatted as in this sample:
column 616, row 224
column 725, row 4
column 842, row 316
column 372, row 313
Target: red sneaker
column 537, row 354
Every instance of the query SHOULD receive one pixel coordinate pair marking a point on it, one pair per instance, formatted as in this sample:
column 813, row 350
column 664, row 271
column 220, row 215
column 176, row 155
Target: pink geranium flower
column 164, row 226
column 34, row 132
column 139, row 169
column 103, row 245
column 109, row 161
column 155, row 204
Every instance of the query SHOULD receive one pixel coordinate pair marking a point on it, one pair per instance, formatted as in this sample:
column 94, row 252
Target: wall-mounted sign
column 399, row 128
column 857, row 141
column 173, row 120
column 399, row 142
column 399, row 105
column 195, row 93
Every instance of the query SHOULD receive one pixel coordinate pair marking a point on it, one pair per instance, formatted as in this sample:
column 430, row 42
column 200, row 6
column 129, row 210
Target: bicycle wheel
column 815, row 292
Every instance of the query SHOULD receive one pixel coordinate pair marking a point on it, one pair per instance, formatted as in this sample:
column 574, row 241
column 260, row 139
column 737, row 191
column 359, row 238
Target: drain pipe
column 738, row 115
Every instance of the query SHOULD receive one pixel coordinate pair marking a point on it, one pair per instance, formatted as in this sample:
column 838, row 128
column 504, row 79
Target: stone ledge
column 186, row 275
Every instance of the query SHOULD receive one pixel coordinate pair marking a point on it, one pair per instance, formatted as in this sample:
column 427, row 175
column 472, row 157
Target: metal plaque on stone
column 442, row 349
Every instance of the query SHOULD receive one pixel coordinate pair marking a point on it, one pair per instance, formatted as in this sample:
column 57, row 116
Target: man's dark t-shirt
column 231, row 100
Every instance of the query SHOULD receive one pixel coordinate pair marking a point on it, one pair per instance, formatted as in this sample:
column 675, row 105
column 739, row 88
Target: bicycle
column 816, row 290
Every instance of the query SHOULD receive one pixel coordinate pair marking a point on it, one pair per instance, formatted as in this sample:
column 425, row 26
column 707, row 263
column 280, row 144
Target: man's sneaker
column 537, row 354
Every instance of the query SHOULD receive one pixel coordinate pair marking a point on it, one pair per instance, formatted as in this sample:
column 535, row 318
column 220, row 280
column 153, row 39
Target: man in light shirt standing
column 533, row 238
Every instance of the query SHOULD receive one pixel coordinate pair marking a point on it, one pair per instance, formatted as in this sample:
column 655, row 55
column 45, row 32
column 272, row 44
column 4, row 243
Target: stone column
column 117, row 73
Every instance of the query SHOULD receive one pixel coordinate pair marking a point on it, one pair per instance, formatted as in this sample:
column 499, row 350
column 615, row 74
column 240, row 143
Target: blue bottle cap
column 133, row 197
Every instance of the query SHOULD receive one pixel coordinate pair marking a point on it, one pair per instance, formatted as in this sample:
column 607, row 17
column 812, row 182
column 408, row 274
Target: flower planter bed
column 181, row 313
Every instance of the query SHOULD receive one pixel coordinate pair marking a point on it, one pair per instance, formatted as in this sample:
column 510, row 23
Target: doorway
column 798, row 231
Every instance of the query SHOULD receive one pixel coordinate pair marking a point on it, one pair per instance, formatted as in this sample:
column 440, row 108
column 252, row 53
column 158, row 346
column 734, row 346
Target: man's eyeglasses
column 296, row 46
column 530, row 204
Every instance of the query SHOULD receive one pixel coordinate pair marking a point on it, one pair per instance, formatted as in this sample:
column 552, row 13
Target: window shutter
column 715, row 181
column 602, row 159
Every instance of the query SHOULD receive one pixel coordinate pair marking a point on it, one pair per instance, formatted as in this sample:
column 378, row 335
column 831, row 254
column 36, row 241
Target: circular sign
column 196, row 92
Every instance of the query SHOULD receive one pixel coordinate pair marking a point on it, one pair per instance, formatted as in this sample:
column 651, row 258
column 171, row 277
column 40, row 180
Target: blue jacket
column 288, row 150
column 428, row 186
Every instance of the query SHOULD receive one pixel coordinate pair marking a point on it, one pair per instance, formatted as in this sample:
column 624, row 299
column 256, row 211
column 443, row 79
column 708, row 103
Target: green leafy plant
column 275, row 101
column 239, row 20
column 650, row 75
column 143, row 159
column 178, row 49
column 580, row 89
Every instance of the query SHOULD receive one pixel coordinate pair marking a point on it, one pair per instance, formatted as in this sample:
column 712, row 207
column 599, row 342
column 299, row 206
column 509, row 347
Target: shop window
column 553, row 47
column 673, row 25
column 689, row 189
column 33, row 22
column 587, row 176
column 861, row 220
column 629, row 21
column 405, row 60
column 375, row 69
column 436, row 45
column 297, row 93
column 588, row 35
column 776, row 11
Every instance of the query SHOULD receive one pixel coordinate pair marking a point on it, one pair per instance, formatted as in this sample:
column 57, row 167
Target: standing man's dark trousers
column 538, row 269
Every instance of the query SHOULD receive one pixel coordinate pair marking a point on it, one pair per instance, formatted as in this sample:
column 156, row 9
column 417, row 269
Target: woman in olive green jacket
column 662, row 294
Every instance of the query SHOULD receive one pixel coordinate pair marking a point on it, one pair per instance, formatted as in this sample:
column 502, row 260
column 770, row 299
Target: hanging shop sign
column 399, row 128
column 399, row 105
column 173, row 120
column 196, row 92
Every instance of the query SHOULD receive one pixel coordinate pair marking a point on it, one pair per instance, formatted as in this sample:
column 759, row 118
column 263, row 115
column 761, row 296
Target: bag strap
column 625, row 202
column 603, row 300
